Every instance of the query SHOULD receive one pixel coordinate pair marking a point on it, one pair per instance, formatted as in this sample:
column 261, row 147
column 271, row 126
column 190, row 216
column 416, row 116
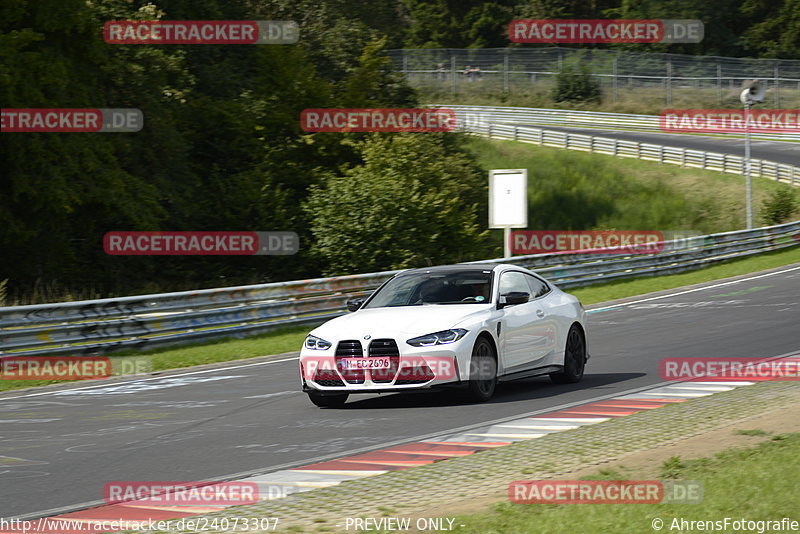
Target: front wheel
column 327, row 401
column 574, row 358
column 483, row 372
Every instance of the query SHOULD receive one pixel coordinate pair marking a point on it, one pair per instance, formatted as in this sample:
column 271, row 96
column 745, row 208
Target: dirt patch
column 646, row 464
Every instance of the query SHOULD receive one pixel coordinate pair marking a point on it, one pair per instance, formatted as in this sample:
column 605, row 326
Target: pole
column 747, row 165
column 506, row 242
column 669, row 83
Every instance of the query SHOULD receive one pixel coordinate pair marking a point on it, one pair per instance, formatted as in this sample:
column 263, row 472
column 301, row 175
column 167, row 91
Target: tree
column 416, row 200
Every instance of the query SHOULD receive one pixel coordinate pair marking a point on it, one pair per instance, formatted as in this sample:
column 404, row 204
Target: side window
column 538, row 287
column 513, row 282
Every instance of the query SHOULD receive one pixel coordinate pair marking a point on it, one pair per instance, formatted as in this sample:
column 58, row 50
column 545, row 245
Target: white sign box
column 508, row 198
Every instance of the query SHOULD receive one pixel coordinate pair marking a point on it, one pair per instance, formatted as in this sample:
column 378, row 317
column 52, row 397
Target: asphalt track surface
column 251, row 417
column 776, row 151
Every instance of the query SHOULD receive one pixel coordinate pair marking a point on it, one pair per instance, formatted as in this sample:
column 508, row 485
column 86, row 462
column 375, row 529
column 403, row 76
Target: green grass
column 571, row 190
column 222, row 350
column 639, row 286
column 290, row 339
column 756, row 483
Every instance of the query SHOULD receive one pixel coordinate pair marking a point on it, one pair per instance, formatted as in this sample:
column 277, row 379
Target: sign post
column 508, row 202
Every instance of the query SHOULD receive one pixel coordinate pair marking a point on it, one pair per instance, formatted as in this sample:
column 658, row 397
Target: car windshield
column 451, row 287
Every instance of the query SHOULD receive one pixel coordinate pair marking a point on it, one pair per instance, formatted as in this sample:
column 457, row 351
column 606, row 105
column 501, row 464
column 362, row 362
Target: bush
column 780, row 206
column 576, row 85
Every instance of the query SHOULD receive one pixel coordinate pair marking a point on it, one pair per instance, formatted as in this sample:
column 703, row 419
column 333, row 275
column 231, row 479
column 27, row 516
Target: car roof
column 455, row 267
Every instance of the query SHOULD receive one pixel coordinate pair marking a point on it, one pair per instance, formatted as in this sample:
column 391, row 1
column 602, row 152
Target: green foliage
column 576, row 84
column 416, row 200
column 780, row 206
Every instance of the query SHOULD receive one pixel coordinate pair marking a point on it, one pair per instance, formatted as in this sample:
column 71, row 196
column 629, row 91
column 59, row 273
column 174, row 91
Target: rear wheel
column 327, row 401
column 574, row 358
column 483, row 372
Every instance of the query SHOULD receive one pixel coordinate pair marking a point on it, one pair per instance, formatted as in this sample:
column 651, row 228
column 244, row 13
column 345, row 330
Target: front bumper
column 411, row 368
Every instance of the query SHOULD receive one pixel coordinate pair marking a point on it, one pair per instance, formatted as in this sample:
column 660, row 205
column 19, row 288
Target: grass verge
column 572, row 190
column 753, row 484
column 290, row 339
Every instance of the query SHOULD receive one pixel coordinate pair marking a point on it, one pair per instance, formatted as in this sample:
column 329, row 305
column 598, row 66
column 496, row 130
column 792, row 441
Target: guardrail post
column 566, row 141
column 669, row 83
column 515, row 132
column 616, row 145
column 704, row 160
column 683, row 158
column 453, row 75
column 505, row 72
column 638, row 150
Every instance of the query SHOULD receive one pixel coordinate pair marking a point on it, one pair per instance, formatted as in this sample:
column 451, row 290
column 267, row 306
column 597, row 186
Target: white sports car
column 466, row 325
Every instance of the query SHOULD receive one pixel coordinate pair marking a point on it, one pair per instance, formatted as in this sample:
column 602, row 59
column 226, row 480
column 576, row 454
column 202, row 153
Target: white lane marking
column 554, row 428
column 706, row 388
column 723, row 284
column 139, row 386
column 506, row 436
column 218, row 369
column 589, row 420
column 735, row 384
column 279, row 393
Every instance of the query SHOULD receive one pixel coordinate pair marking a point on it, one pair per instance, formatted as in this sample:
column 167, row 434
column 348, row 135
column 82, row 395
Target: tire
column 574, row 358
column 328, row 401
column 483, row 372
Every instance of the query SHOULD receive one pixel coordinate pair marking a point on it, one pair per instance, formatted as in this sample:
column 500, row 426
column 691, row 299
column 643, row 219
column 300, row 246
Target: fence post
column 453, row 75
column 669, row 83
column 616, row 84
column 505, row 72
column 777, row 87
column 719, row 83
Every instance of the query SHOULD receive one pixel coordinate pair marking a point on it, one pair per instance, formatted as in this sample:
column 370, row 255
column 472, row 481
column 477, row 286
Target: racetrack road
column 58, row 448
column 776, row 151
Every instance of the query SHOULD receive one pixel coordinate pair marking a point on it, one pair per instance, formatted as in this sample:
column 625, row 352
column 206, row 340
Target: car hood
column 406, row 320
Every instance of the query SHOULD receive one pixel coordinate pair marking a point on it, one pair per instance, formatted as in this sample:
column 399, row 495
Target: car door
column 545, row 333
column 519, row 323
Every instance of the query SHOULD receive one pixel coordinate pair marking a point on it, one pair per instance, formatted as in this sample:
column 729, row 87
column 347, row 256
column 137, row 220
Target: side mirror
column 355, row 304
column 515, row 297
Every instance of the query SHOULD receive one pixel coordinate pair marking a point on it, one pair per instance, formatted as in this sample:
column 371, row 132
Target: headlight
column 315, row 343
column 438, row 338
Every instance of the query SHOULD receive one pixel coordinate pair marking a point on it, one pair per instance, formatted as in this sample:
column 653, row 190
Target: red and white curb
column 280, row 484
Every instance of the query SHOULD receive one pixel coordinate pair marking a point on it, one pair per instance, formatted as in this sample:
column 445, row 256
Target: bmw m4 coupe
column 465, row 326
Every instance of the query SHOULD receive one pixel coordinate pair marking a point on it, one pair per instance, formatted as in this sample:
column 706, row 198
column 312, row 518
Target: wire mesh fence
column 670, row 78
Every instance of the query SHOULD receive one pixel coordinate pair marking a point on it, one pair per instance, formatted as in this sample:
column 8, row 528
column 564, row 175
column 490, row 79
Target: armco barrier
column 489, row 122
column 105, row 325
column 569, row 118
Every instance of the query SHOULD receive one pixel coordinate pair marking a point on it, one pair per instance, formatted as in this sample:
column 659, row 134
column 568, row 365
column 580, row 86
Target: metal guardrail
column 140, row 322
column 477, row 120
column 568, row 118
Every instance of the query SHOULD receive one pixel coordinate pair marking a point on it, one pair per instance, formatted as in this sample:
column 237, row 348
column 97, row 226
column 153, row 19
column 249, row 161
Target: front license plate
column 366, row 363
